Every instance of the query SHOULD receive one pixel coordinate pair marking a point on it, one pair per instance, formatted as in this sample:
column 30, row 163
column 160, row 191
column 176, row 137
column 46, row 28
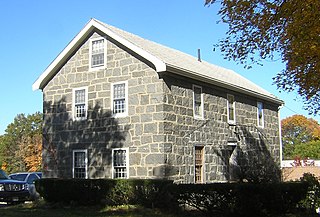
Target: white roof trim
column 70, row 48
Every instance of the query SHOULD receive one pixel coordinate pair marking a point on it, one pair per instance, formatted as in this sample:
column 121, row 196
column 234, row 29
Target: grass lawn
column 42, row 210
column 31, row 210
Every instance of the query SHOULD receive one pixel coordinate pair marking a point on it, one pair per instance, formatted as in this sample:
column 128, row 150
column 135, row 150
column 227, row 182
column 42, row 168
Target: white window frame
column 91, row 68
column 260, row 105
column 197, row 116
column 127, row 162
column 74, row 103
column 86, row 161
column 125, row 113
column 228, row 109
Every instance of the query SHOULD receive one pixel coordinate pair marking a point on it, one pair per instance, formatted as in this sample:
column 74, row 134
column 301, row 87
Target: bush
column 148, row 193
column 241, row 199
column 81, row 191
column 312, row 199
column 218, row 199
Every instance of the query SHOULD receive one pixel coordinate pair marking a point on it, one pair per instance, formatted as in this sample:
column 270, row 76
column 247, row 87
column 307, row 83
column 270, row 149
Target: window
column 97, row 53
column 80, row 104
column 120, row 163
column 198, row 164
column 260, row 117
column 120, row 99
column 80, row 162
column 231, row 108
column 197, row 102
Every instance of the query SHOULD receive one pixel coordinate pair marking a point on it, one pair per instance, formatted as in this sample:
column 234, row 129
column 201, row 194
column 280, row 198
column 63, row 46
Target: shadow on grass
column 45, row 210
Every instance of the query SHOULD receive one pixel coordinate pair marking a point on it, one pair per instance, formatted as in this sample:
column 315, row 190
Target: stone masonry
column 160, row 131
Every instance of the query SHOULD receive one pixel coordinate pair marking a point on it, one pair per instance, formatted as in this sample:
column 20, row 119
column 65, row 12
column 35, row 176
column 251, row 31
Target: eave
column 91, row 26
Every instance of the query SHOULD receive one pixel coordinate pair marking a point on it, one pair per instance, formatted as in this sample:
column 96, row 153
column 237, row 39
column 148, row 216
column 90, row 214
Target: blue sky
column 33, row 33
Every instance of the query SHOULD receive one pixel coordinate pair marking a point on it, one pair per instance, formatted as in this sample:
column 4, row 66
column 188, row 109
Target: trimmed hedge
column 242, row 199
column 218, row 199
column 81, row 191
column 149, row 193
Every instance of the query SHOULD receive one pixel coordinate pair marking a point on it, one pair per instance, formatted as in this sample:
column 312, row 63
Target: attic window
column 231, row 109
column 197, row 102
column 260, row 116
column 97, row 53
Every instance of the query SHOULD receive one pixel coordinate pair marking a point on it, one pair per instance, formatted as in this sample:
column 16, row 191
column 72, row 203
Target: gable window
column 198, row 164
column 80, row 164
column 120, row 99
column 197, row 102
column 120, row 163
column 231, row 108
column 80, row 103
column 97, row 52
column 260, row 115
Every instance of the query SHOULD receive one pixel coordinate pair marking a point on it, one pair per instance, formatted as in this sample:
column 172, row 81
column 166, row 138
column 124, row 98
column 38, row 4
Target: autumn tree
column 267, row 29
column 298, row 136
column 20, row 146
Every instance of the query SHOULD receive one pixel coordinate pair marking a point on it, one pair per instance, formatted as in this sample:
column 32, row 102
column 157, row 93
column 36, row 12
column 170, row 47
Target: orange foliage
column 31, row 152
column 308, row 125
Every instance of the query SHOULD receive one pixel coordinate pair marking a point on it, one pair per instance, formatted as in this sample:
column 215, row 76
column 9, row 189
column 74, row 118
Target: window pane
column 119, row 91
column 231, row 107
column 80, row 103
column 119, row 98
column 260, row 114
column 197, row 101
column 119, row 164
column 79, row 164
column 97, row 57
column 80, row 96
column 119, row 158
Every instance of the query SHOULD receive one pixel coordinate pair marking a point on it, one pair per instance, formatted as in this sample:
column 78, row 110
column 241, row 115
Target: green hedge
column 81, row 191
column 149, row 193
column 241, row 199
column 218, row 199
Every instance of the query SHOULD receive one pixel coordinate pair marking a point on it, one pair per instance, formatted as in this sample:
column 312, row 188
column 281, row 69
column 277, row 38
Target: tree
column 298, row 134
column 307, row 150
column 20, row 146
column 264, row 29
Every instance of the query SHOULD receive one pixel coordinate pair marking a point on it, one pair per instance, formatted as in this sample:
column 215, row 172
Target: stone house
column 119, row 106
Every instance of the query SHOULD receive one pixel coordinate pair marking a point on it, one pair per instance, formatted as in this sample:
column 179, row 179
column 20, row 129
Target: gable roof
column 163, row 58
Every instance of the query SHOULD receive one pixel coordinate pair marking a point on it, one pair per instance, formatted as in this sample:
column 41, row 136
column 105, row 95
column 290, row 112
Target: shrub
column 82, row 191
column 208, row 198
column 148, row 193
column 312, row 199
column 243, row 199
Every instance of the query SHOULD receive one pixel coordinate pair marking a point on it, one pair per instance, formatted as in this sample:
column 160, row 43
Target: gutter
column 219, row 83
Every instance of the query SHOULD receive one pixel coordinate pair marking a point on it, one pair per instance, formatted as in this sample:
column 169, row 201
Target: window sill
column 120, row 115
column 232, row 123
column 96, row 68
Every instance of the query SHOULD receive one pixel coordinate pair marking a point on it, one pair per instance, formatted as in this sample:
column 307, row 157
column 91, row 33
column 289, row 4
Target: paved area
column 294, row 173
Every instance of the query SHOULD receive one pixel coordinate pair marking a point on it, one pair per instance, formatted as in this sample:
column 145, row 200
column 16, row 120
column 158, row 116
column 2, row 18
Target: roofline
column 160, row 66
column 219, row 83
column 57, row 63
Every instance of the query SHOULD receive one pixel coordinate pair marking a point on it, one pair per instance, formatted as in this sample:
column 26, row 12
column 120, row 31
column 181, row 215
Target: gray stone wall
column 160, row 131
column 184, row 132
column 141, row 131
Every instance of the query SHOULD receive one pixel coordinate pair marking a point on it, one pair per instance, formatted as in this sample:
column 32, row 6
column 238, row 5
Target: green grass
column 31, row 210
column 43, row 210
